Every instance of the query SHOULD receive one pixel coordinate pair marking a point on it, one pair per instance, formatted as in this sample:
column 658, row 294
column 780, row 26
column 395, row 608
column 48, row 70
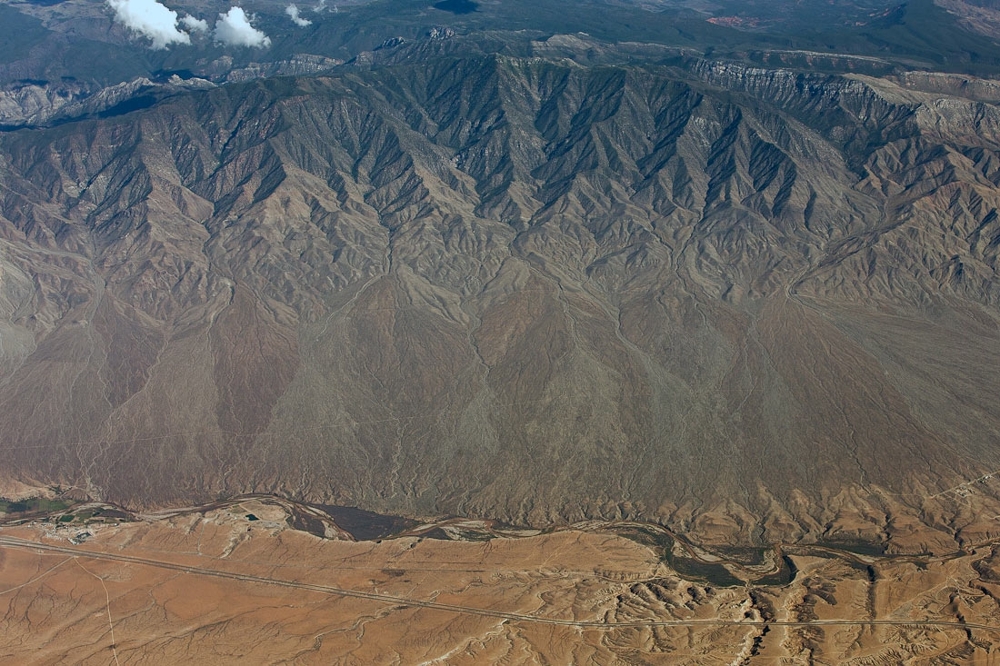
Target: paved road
column 22, row 544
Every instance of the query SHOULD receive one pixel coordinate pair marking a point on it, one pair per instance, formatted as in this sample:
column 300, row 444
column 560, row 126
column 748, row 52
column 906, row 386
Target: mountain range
column 539, row 280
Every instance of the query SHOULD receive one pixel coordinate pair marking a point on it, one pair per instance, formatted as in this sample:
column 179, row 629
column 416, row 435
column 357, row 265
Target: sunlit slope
column 750, row 303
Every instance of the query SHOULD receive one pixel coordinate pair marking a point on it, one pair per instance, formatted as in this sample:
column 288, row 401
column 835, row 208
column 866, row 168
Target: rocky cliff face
column 753, row 304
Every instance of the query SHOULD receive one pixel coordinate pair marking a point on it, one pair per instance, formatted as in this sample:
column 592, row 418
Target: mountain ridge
column 734, row 300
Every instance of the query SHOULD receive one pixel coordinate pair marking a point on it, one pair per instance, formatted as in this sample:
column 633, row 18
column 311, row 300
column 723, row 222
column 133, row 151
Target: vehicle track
column 22, row 544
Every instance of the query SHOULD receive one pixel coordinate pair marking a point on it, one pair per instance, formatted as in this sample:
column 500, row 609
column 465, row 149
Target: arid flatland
column 215, row 586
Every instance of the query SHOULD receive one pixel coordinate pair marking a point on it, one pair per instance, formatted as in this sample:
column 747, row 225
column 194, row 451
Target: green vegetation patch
column 744, row 556
column 857, row 547
column 661, row 542
column 783, row 576
column 472, row 535
column 710, row 572
column 33, row 505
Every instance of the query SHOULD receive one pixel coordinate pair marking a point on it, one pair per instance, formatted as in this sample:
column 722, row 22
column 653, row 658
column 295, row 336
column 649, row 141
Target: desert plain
column 237, row 583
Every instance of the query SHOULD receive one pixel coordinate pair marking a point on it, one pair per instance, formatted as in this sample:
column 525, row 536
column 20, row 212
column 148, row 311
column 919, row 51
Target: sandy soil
column 214, row 587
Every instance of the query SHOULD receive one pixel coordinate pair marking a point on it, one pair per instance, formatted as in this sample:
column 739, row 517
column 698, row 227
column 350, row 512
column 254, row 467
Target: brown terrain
column 649, row 340
column 643, row 357
column 747, row 304
column 234, row 584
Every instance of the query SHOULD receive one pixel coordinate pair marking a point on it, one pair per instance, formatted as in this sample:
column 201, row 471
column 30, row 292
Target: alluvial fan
column 751, row 304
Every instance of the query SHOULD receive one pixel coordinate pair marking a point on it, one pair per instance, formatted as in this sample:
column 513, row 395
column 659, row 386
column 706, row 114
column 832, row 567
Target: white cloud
column 194, row 25
column 320, row 6
column 151, row 19
column 293, row 13
column 233, row 28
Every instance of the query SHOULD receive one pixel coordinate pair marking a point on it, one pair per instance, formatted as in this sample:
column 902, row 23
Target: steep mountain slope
column 753, row 304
